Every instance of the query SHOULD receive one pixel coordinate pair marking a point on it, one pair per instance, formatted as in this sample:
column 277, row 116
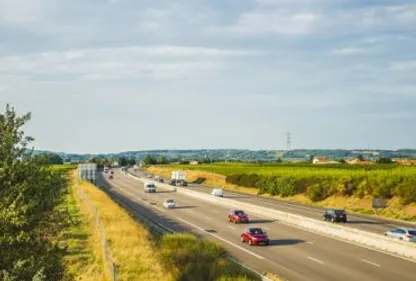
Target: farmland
column 318, row 185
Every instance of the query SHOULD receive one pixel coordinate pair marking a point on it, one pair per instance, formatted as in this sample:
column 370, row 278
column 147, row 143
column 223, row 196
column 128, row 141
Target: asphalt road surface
column 293, row 253
column 370, row 224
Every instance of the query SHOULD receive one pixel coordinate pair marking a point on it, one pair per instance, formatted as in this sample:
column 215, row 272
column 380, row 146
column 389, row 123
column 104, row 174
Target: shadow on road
column 236, row 196
column 261, row 221
column 185, row 207
column 285, row 242
column 363, row 222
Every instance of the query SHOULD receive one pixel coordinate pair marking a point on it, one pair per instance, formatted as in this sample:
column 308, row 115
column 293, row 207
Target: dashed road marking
column 316, row 260
column 370, row 262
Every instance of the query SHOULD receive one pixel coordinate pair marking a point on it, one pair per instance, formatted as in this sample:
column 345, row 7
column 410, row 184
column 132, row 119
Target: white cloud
column 159, row 62
column 278, row 22
column 22, row 11
column 349, row 51
column 403, row 65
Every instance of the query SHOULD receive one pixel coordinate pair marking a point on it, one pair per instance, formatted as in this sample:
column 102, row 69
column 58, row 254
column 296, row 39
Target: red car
column 237, row 216
column 254, row 236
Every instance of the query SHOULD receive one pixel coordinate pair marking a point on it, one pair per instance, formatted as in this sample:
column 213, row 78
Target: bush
column 195, row 260
column 407, row 192
column 316, row 192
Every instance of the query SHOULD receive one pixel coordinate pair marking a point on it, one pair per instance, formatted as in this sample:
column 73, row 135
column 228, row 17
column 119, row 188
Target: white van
column 218, row 192
column 149, row 187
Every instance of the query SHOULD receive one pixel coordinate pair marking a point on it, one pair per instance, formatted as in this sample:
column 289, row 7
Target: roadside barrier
column 362, row 238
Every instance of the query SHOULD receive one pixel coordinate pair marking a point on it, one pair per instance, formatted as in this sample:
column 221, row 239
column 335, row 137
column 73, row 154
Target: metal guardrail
column 111, row 268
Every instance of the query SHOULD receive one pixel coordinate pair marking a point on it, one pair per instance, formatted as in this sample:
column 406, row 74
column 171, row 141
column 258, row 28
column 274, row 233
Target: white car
column 169, row 203
column 403, row 233
column 218, row 192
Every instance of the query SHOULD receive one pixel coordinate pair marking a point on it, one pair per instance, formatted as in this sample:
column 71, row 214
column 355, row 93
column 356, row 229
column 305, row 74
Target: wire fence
column 111, row 268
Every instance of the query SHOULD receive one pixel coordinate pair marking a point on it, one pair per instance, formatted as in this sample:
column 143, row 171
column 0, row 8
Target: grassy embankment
column 340, row 186
column 139, row 255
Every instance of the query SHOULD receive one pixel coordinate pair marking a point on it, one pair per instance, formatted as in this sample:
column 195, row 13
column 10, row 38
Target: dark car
column 110, row 177
column 254, row 236
column 335, row 215
column 176, row 182
column 237, row 216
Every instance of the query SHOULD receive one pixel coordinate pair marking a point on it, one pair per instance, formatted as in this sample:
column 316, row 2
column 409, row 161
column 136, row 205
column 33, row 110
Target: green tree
column 54, row 159
column 384, row 160
column 29, row 192
column 161, row 159
column 360, row 157
column 148, row 160
column 122, row 161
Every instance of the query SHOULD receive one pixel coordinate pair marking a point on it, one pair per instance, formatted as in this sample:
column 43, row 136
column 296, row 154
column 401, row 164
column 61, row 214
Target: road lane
column 296, row 254
column 362, row 222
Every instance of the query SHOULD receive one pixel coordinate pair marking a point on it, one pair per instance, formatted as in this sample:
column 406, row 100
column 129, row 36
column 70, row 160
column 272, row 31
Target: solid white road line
column 370, row 262
column 232, row 227
column 222, row 239
column 310, row 242
column 316, row 260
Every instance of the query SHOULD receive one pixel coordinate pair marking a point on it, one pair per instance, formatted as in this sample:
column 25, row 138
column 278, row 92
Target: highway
column 370, row 224
column 294, row 254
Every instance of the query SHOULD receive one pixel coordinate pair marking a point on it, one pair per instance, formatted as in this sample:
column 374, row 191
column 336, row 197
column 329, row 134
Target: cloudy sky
column 117, row 75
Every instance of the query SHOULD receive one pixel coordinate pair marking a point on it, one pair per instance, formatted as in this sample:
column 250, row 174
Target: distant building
column 356, row 161
column 323, row 160
column 406, row 162
column 194, row 162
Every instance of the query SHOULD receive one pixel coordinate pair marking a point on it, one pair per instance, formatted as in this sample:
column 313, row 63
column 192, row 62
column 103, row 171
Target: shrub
column 316, row 192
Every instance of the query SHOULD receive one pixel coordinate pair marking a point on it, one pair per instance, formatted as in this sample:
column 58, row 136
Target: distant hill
column 245, row 154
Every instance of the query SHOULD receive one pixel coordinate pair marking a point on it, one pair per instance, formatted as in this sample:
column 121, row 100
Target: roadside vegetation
column 139, row 255
column 345, row 186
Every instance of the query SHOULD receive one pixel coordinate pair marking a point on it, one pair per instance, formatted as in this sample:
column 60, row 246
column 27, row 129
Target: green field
column 319, row 181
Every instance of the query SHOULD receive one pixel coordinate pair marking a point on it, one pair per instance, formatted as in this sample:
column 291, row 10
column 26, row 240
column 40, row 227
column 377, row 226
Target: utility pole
column 288, row 141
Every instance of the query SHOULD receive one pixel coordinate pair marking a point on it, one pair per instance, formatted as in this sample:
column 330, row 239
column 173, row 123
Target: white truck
column 178, row 178
column 149, row 187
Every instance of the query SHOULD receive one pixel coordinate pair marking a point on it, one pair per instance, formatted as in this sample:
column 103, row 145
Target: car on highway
column 237, row 216
column 335, row 215
column 255, row 236
column 149, row 176
column 176, row 182
column 169, row 203
column 110, row 177
column 149, row 187
column 112, row 172
column 217, row 192
column 159, row 179
column 403, row 233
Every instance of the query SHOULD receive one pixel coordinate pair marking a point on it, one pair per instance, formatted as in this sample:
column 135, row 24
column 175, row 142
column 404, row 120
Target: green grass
column 64, row 167
column 82, row 256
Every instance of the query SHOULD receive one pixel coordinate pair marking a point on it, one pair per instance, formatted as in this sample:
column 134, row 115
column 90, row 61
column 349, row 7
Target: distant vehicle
column 403, row 233
column 176, row 182
column 105, row 170
column 255, row 236
column 159, row 179
column 335, row 215
column 150, row 187
column 149, row 176
column 217, row 192
column 110, row 177
column 169, row 203
column 112, row 172
column 237, row 216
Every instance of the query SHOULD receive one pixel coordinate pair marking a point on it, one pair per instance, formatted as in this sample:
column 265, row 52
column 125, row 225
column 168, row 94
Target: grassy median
column 139, row 255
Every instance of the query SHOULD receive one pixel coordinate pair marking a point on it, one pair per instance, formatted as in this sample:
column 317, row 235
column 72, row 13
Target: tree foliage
column 29, row 192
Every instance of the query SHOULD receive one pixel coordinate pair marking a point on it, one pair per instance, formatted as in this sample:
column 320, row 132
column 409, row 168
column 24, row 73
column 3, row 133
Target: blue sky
column 102, row 76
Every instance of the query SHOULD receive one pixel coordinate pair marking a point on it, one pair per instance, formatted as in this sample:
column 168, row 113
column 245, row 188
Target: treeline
column 30, row 191
column 319, row 187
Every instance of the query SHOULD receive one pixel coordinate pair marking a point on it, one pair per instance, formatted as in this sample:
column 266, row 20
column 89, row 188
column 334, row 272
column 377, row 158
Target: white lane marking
column 310, row 242
column 370, row 262
column 165, row 227
column 206, row 218
column 220, row 238
column 316, row 260
column 189, row 211
column 232, row 227
column 267, row 228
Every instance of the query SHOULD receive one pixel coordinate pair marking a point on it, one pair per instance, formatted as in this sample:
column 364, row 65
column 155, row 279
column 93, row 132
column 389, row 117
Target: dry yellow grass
column 131, row 245
column 212, row 179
